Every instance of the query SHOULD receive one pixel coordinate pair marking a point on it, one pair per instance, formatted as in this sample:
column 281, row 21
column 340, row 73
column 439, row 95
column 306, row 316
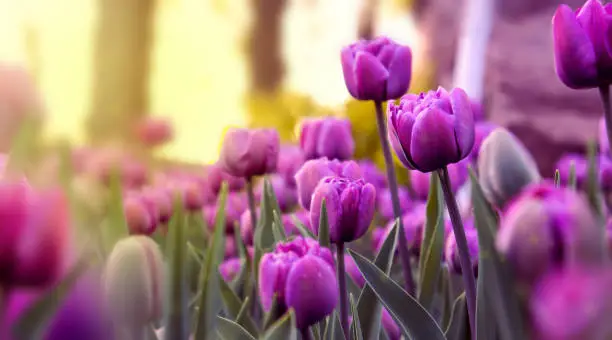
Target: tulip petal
column 234, row 156
column 464, row 121
column 347, row 59
column 575, row 60
column 433, row 144
column 371, row 77
column 593, row 19
column 394, row 131
column 400, row 72
column 367, row 206
column 332, row 205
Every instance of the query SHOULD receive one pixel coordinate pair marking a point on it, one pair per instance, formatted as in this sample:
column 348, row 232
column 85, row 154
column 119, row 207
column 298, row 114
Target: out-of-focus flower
column 581, row 166
column 378, row 69
column 303, row 216
column 481, row 131
column 350, row 207
column 161, row 199
column 154, row 131
column 82, row 315
column 247, row 153
column 140, row 219
column 604, row 143
column 372, row 174
column 34, row 234
column 230, row 268
column 301, row 274
column 235, row 205
column 548, row 227
column 385, row 204
column 419, row 181
column 353, row 271
column 215, row 176
column 572, row 304
column 230, row 246
column 189, row 192
column 378, row 237
column 133, row 281
column 290, row 160
column 285, row 195
column 451, row 251
column 580, row 40
column 327, row 137
column 431, row 130
column 413, row 221
column 313, row 171
column 505, row 167
column 246, row 227
column 478, row 110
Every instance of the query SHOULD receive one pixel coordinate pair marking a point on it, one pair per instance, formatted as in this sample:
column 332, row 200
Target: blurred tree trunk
column 121, row 67
column 264, row 46
column 365, row 30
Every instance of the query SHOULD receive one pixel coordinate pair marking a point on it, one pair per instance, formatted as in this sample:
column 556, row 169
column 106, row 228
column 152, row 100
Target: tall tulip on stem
column 428, row 132
column 380, row 70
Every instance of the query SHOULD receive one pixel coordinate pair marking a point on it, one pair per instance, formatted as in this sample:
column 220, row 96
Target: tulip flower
column 572, row 304
column 373, row 175
column 385, row 204
column 286, row 196
column 246, row 153
column 481, row 131
column 377, row 70
column 581, row 169
column 451, row 251
column 140, row 220
column 234, row 207
column 547, row 228
column 215, row 176
column 309, row 175
column 153, row 132
column 420, row 181
column 290, row 160
column 301, row 275
column 327, row 137
column 230, row 268
column 414, row 223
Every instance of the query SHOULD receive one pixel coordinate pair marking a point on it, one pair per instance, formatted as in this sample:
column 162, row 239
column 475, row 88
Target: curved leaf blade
column 283, row 329
column 323, row 231
column 229, row 330
column 233, row 306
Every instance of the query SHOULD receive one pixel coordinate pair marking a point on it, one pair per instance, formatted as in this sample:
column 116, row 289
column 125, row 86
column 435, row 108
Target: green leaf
column 302, row 228
column 458, row 328
column 278, row 229
column 273, row 314
column 500, row 292
column 210, row 298
column 557, row 179
column 333, row 331
column 432, row 245
column 233, row 305
column 368, row 307
column 412, row 318
column 355, row 325
column 35, row 319
column 324, row 239
column 571, row 182
column 25, row 147
column 176, row 325
column 283, row 329
column 593, row 188
column 264, row 233
column 485, row 320
column 229, row 330
column 117, row 227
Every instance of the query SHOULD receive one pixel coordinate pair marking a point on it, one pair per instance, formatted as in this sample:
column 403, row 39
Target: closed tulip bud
column 505, row 167
column 420, row 181
column 162, row 201
column 286, row 196
column 431, row 130
column 153, row 132
column 290, row 160
column 133, row 281
column 235, row 205
column 350, row 207
column 451, row 251
column 581, row 168
column 481, row 131
column 572, row 305
column 353, row 271
column 138, row 217
column 190, row 194
column 313, row 171
column 230, row 268
column 246, row 227
column 582, row 59
column 385, row 204
column 414, row 222
column 327, row 137
column 372, row 174
column 302, row 216
column 247, row 153
column 378, row 69
column 548, row 227
column 216, row 176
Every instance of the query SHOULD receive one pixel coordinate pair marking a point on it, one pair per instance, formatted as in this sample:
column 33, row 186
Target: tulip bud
column 327, row 137
column 235, row 205
column 505, row 167
column 162, row 201
column 308, row 177
column 572, row 304
column 350, row 207
column 378, row 69
column 414, row 223
column 138, row 217
column 373, row 175
column 230, row 268
column 153, row 132
column 432, row 130
column 302, row 215
column 286, row 196
column 420, row 181
column 133, row 281
column 546, row 228
column 353, row 271
column 451, row 251
column 385, row 203
column 290, row 160
column 247, row 153
column 581, row 168
column 216, row 176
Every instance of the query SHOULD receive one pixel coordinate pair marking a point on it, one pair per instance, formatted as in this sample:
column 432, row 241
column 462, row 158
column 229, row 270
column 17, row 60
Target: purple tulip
column 247, row 153
column 481, row 131
column 451, row 252
column 309, row 175
column 581, row 43
column 215, row 176
column 378, row 69
column 246, row 227
column 414, row 222
column 285, row 195
column 431, row 130
column 327, row 137
column 581, row 166
column 605, row 173
column 419, row 181
column 230, row 268
column 477, row 108
column 378, row 237
column 288, row 221
column 234, row 206
column 385, row 206
column 372, row 174
column 572, row 305
column 353, row 271
column 301, row 274
column 290, row 160
column 548, row 227
column 350, row 207
column 82, row 315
